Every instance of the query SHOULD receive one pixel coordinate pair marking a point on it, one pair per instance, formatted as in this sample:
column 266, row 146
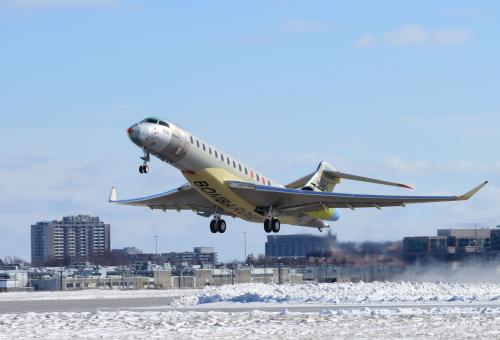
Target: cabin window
column 251, row 173
column 246, row 171
column 228, row 161
column 204, row 147
column 216, row 155
column 192, row 140
column 257, row 176
column 239, row 166
column 268, row 182
column 209, row 150
column 197, row 143
column 222, row 157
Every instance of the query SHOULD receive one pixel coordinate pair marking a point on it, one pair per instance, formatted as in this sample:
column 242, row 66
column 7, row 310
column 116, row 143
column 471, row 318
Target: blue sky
column 401, row 91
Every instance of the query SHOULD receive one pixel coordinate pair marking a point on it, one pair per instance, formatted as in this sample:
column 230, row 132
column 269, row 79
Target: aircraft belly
column 210, row 183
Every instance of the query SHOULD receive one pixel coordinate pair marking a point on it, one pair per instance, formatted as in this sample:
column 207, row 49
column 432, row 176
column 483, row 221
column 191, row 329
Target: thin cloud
column 426, row 167
column 303, row 26
column 366, row 40
column 415, row 35
column 42, row 4
column 412, row 168
column 465, row 13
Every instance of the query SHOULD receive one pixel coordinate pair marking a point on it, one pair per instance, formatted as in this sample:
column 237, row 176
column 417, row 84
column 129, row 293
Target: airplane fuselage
column 208, row 169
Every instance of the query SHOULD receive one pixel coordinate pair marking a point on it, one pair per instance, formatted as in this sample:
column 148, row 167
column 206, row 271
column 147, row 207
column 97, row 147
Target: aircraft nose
column 134, row 133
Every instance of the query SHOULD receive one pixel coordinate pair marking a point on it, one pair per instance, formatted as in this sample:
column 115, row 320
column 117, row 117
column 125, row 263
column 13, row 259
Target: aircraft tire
column 221, row 226
column 213, row 226
column 267, row 226
column 141, row 169
column 275, row 225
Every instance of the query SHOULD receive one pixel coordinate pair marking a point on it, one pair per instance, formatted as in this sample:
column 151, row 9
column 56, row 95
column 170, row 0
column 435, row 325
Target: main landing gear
column 218, row 225
column 144, row 168
column 272, row 225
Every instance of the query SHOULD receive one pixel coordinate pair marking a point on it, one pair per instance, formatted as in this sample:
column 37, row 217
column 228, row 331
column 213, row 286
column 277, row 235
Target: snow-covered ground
column 324, row 293
column 347, row 293
column 346, row 310
column 94, row 294
column 370, row 324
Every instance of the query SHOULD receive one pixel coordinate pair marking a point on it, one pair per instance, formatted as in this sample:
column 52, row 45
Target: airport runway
column 161, row 304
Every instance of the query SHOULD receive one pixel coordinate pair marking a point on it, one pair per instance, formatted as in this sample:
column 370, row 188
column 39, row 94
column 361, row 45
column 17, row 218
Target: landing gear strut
column 217, row 225
column 144, row 168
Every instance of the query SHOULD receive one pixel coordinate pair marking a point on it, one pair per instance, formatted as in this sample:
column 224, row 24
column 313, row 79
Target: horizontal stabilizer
column 338, row 174
column 301, row 182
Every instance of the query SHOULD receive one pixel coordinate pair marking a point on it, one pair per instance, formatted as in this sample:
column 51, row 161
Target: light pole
column 245, row 241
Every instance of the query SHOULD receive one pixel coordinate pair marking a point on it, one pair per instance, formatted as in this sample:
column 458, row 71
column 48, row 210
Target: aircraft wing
column 182, row 198
column 290, row 200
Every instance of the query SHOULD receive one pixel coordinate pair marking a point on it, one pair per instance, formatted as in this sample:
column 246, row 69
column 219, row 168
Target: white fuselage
column 206, row 167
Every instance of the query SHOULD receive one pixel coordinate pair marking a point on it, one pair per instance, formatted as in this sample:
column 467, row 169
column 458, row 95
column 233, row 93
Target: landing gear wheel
column 144, row 169
column 213, row 226
column 267, row 226
column 221, row 226
column 275, row 225
column 141, row 169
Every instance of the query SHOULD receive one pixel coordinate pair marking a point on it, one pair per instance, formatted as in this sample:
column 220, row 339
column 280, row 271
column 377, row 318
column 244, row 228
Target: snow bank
column 346, row 293
column 450, row 323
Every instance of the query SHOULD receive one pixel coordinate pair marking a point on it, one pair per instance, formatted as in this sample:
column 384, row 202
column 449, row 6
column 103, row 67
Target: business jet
column 220, row 185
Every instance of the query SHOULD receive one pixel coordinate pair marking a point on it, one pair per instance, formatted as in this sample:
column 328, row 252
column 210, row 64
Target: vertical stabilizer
column 321, row 181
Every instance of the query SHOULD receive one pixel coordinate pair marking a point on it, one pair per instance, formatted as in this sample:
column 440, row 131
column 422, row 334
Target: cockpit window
column 155, row 121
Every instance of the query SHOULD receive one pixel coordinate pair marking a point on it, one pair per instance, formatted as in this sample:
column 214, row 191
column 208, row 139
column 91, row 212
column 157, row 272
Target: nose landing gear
column 144, row 168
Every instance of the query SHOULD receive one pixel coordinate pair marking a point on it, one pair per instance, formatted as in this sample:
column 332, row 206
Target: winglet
column 471, row 193
column 112, row 195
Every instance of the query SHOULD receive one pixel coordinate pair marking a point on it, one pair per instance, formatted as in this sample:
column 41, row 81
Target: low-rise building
column 301, row 245
column 452, row 244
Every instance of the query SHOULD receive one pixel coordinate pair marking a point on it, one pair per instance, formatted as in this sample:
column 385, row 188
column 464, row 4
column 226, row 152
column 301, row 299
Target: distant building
column 298, row 245
column 75, row 238
column 452, row 244
column 12, row 280
column 205, row 256
column 495, row 239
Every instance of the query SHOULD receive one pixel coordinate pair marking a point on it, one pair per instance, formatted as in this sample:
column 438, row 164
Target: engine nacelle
column 328, row 214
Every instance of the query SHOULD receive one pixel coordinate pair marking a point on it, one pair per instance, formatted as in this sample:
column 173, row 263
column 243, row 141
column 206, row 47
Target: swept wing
column 293, row 200
column 182, row 198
